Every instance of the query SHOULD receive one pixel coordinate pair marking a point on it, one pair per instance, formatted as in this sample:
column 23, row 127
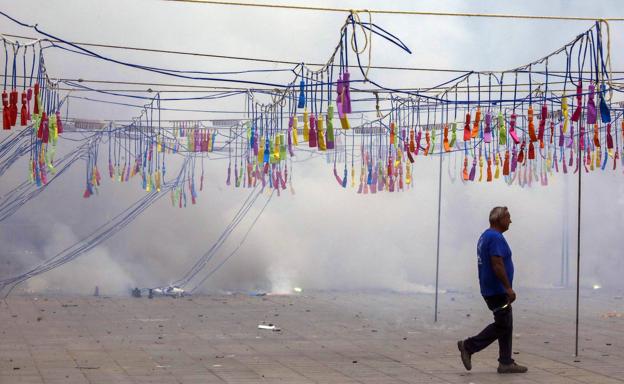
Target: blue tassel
column 605, row 114
column 267, row 150
column 302, row 99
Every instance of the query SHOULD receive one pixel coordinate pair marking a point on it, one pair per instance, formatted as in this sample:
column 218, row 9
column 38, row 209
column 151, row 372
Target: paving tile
column 325, row 337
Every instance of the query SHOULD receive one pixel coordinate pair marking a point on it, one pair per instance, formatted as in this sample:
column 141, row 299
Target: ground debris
column 269, row 327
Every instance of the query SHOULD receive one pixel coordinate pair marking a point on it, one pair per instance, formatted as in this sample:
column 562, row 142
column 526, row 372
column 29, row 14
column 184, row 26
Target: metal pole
column 578, row 247
column 435, row 317
column 562, row 282
column 564, row 235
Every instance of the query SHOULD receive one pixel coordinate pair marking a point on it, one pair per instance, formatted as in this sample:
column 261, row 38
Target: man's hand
column 511, row 295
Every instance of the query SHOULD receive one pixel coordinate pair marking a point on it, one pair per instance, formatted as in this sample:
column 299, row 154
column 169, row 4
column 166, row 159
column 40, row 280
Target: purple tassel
column 347, row 93
column 591, row 106
column 473, row 170
column 312, row 135
column 487, row 134
column 418, row 137
column 339, row 97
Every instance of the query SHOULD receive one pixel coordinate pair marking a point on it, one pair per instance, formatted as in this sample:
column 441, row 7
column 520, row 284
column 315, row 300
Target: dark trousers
column 501, row 329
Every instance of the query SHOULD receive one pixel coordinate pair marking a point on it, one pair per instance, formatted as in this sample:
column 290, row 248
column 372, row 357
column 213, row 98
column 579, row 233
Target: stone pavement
column 325, row 337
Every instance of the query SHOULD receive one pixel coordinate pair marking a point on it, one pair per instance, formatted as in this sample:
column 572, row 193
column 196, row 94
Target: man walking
column 496, row 271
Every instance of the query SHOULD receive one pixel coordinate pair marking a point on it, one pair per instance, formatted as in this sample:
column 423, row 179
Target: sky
column 323, row 236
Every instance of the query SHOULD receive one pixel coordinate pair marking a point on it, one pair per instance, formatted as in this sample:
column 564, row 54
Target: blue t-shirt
column 492, row 243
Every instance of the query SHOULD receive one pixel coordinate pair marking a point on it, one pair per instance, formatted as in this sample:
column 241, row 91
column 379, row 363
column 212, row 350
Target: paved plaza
column 321, row 337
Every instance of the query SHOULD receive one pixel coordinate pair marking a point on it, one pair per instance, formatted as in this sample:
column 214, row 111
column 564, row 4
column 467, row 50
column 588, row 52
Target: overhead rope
column 397, row 12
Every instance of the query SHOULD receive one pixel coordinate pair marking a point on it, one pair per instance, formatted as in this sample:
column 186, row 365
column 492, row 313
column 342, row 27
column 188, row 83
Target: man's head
column 500, row 219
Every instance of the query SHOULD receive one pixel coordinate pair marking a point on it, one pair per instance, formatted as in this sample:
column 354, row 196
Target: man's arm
column 499, row 270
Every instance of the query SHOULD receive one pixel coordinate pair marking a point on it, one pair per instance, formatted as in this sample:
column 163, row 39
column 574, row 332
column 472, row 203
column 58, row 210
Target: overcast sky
column 322, row 237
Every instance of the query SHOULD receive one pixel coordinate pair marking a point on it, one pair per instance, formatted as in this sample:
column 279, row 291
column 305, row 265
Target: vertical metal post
column 435, row 317
column 578, row 246
column 565, row 228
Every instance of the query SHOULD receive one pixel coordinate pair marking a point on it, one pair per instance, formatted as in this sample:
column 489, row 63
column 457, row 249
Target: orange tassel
column 532, row 135
column 475, row 125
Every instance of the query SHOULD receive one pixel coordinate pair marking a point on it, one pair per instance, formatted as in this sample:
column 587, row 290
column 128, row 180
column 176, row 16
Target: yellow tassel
column 261, row 151
column 295, row 136
column 276, row 146
column 497, row 171
column 158, row 181
column 408, row 174
column 564, row 112
column 591, row 161
column 344, row 122
column 549, row 160
column 320, row 134
column 480, row 168
column 306, row 125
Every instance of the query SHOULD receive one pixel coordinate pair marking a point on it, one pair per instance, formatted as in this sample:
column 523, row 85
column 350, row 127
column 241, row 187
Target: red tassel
column 40, row 131
column 609, row 137
column 6, row 119
column 542, row 125
column 13, row 107
column 532, row 135
column 24, row 111
column 28, row 98
column 521, row 155
column 531, row 151
column 36, row 108
column 467, row 133
column 59, row 124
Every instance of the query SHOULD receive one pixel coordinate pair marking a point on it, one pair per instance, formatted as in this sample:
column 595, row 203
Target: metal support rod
column 578, row 247
column 435, row 317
